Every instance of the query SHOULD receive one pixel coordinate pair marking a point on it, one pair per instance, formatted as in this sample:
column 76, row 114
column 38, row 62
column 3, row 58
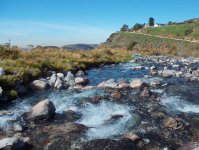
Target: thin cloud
column 55, row 32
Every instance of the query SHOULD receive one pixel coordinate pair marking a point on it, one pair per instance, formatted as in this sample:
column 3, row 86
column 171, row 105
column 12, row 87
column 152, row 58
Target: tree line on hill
column 138, row 26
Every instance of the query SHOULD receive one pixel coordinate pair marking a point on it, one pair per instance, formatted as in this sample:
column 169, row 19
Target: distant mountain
column 80, row 46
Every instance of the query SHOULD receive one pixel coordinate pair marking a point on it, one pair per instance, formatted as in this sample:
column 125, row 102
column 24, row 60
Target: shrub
column 131, row 45
column 188, row 31
column 11, row 53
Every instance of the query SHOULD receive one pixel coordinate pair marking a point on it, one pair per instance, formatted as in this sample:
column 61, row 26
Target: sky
column 61, row 22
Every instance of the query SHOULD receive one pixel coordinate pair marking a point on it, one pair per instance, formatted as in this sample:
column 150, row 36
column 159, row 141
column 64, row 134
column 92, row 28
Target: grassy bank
column 23, row 67
column 151, row 44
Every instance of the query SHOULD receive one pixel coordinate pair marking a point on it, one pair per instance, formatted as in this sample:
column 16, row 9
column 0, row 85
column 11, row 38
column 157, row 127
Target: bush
column 131, row 45
column 137, row 26
column 188, row 31
column 11, row 53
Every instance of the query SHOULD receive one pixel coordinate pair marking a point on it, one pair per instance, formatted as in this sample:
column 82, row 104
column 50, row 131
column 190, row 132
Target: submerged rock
column 144, row 91
column 113, row 118
column 116, row 95
column 14, row 143
column 108, row 144
column 170, row 122
column 155, row 83
column 38, row 85
column 43, row 109
column 108, row 84
column 132, row 136
column 190, row 146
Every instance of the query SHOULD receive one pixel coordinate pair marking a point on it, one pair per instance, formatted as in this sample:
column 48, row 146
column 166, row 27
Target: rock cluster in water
column 155, row 129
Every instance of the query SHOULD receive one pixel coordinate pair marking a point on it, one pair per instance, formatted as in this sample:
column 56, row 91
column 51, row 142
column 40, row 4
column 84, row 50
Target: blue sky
column 60, row 22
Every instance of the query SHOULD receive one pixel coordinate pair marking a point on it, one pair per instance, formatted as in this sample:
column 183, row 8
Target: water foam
column 96, row 116
column 178, row 104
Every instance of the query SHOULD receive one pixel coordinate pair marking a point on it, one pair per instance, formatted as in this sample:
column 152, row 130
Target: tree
column 137, row 26
column 151, row 21
column 124, row 28
column 170, row 23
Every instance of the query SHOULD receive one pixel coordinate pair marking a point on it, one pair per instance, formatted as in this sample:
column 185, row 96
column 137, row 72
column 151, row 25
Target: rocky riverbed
column 149, row 103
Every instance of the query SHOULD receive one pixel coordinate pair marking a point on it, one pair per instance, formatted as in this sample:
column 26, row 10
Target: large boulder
column 1, row 91
column 2, row 71
column 43, row 109
column 38, row 85
column 81, row 81
column 137, row 83
column 14, row 143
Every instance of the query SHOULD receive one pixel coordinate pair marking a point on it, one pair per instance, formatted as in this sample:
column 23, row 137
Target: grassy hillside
column 152, row 44
column 181, row 31
column 23, row 66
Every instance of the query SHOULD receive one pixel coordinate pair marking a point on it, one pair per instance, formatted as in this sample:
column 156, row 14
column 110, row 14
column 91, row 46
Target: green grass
column 176, row 31
column 152, row 45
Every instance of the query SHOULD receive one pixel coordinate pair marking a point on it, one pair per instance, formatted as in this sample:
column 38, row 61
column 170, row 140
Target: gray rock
column 155, row 83
column 1, row 91
column 81, row 73
column 136, row 83
column 2, row 71
column 168, row 73
column 70, row 79
column 144, row 91
column 43, row 109
column 59, row 84
column 81, row 81
column 153, row 72
column 52, row 80
column 38, row 85
column 108, row 84
column 190, row 146
column 14, row 143
column 60, row 75
column 138, row 68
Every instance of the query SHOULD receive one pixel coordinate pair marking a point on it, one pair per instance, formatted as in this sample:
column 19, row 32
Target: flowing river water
column 179, row 97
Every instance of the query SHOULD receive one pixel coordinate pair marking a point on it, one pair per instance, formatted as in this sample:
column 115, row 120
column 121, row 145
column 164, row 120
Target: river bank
column 149, row 103
column 19, row 68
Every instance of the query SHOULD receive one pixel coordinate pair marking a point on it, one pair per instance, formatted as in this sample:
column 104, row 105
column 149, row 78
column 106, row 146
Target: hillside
column 185, row 30
column 80, row 46
column 152, row 44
